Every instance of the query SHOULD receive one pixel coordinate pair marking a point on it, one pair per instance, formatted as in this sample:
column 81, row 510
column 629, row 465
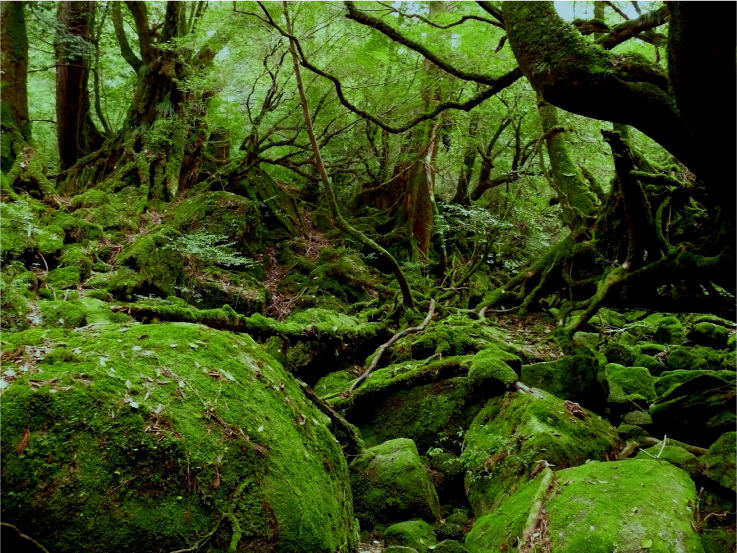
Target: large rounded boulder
column 165, row 437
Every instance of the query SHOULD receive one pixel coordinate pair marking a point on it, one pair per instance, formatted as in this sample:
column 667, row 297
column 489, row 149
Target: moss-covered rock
column 618, row 353
column 637, row 418
column 334, row 383
column 63, row 278
column 460, row 518
column 160, row 266
column 448, row 473
column 698, row 410
column 400, row 549
column 668, row 330
column 222, row 214
column 675, row 455
column 152, row 437
column 575, row 377
column 417, row 534
column 450, row 531
column 721, row 459
column 490, row 373
column 700, row 358
column 710, row 335
column 450, row 546
column 76, row 229
column 599, row 508
column 390, row 484
column 511, row 436
column 670, row 379
column 628, row 381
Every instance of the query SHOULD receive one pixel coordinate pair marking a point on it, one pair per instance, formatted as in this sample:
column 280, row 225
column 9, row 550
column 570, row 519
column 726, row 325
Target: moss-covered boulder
column 698, row 410
column 625, row 506
column 575, row 377
column 668, row 329
column 710, row 335
column 450, row 531
column 448, row 473
column 400, row 549
column 160, row 266
column 150, row 438
column 417, row 534
column 670, row 379
column 390, row 484
column 222, row 214
column 619, row 353
column 490, row 373
column 675, row 455
column 721, row 459
column 334, row 383
column 450, row 546
column 517, row 434
column 627, row 382
column 700, row 358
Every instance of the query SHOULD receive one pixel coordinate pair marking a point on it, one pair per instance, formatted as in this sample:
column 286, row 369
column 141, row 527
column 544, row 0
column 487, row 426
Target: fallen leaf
column 23, row 442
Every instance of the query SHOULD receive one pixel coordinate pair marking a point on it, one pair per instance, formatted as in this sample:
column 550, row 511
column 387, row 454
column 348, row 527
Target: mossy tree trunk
column 162, row 140
column 76, row 133
column 20, row 166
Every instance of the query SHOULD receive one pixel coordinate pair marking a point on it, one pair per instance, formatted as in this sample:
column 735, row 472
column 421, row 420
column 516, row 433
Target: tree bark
column 76, row 133
column 14, row 88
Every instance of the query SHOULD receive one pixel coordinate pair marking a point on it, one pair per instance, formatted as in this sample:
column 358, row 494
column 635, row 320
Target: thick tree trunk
column 77, row 134
column 14, row 89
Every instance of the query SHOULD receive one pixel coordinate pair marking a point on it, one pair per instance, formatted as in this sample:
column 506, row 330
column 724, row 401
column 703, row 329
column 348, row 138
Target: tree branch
column 624, row 31
column 140, row 17
column 125, row 49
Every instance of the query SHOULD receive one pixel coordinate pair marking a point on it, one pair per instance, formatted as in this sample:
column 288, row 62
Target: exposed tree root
column 384, row 347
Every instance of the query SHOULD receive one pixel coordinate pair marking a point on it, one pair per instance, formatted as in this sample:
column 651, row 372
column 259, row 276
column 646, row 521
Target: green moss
column 630, row 432
column 390, row 484
column 490, row 373
column 64, row 278
column 668, row 330
column 675, row 455
column 400, row 549
column 713, row 319
column 76, row 229
column 650, row 363
column 417, row 534
column 136, row 444
column 626, row 381
column 50, row 239
column 619, row 353
column 512, row 433
column 158, row 263
column 75, row 257
column 675, row 378
column 334, row 383
column 222, row 214
column 698, row 410
column 600, row 508
column 93, row 197
column 66, row 314
column 709, row 334
column 450, row 531
column 720, row 461
column 700, row 358
column 449, row 546
column 575, row 377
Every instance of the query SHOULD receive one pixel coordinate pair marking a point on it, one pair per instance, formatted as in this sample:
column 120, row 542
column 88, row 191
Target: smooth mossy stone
column 675, row 455
column 417, row 534
column 512, row 433
column 64, row 278
column 627, row 506
column 489, row 373
column 450, row 546
column 670, row 379
column 714, row 320
column 618, row 353
column 710, row 335
column 701, row 358
column 631, row 432
column 650, row 363
column 390, row 484
column 334, row 383
column 400, row 549
column 627, row 381
column 586, row 340
column 638, row 418
column 450, row 531
column 460, row 518
column 719, row 462
column 668, row 330
column 573, row 377
column 138, row 435
column 698, row 410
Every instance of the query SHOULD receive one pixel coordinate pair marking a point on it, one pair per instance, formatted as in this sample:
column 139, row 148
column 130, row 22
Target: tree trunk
column 76, row 133
column 14, row 97
column 160, row 145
